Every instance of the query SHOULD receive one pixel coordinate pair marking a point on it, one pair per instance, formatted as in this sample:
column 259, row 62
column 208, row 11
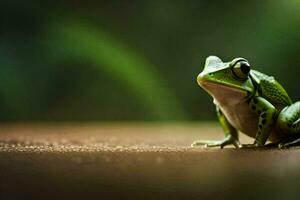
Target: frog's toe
column 283, row 146
column 294, row 143
column 286, row 145
column 249, row 145
column 202, row 143
column 216, row 143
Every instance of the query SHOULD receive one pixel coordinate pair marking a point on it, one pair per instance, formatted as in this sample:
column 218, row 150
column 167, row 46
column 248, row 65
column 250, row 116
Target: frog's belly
column 245, row 120
column 241, row 117
column 233, row 105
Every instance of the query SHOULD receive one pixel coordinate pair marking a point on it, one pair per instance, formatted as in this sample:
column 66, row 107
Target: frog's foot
column 272, row 145
column 217, row 143
column 294, row 143
column 250, row 145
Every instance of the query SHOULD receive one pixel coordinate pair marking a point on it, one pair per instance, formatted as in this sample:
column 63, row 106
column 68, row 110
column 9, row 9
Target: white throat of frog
column 224, row 95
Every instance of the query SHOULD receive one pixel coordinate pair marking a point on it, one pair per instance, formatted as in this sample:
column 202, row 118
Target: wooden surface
column 138, row 161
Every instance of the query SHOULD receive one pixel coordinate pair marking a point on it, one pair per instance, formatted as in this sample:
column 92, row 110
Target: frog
column 250, row 102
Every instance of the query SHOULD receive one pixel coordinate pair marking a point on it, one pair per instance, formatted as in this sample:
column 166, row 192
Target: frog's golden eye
column 241, row 70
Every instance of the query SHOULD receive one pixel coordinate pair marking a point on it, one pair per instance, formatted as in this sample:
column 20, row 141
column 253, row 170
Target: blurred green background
column 135, row 60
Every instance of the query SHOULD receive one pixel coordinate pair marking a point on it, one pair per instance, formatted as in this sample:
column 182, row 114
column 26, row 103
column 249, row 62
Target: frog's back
column 268, row 88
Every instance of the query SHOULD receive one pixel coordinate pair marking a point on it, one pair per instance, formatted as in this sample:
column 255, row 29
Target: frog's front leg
column 231, row 134
column 266, row 120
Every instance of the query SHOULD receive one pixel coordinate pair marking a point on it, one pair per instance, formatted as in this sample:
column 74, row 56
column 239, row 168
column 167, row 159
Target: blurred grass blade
column 123, row 64
column 15, row 90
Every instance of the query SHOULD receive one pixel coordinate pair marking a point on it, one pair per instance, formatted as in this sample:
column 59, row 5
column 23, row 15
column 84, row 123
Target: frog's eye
column 241, row 69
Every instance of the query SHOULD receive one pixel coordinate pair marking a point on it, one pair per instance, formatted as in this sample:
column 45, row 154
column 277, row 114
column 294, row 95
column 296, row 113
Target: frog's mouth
column 222, row 85
column 209, row 85
column 202, row 81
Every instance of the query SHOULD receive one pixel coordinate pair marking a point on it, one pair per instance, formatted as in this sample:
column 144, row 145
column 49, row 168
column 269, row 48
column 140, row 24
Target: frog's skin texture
column 250, row 102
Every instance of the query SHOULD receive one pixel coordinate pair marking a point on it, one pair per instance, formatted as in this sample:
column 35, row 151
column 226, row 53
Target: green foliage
column 114, row 60
column 108, row 55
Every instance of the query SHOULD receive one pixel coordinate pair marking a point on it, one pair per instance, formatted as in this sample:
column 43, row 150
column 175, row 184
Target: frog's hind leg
column 289, row 122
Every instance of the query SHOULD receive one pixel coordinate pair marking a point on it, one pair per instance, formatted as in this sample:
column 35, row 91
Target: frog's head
column 218, row 77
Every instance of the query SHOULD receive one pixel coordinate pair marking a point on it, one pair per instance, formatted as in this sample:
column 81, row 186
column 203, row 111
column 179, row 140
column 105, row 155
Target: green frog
column 250, row 102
